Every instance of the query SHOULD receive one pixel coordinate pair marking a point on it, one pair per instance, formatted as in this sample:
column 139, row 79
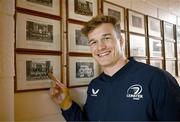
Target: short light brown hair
column 98, row 20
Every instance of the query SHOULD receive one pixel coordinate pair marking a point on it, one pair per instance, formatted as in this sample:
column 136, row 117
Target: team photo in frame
column 137, row 45
column 32, row 71
column 81, row 70
column 154, row 27
column 34, row 32
column 82, row 10
column 168, row 31
column 155, row 47
column 136, row 22
column 116, row 12
column 46, row 6
column 77, row 42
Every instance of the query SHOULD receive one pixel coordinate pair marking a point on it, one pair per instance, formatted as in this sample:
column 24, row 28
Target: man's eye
column 92, row 42
column 107, row 38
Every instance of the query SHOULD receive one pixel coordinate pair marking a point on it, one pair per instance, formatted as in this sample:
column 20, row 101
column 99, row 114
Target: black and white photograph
column 168, row 31
column 81, row 70
column 169, row 49
column 115, row 11
column 154, row 27
column 82, row 10
column 34, row 32
column 37, row 70
column 45, row 6
column 136, row 22
column 137, row 45
column 156, row 63
column 81, row 39
column 77, row 41
column 171, row 67
column 31, row 71
column 83, row 7
column 84, row 69
column 39, row 32
column 155, row 47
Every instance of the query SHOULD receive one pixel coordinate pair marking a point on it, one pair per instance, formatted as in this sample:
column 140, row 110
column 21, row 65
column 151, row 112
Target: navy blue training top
column 136, row 92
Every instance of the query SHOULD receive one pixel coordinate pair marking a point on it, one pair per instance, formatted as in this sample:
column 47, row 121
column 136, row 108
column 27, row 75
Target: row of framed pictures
column 38, row 43
column 36, row 31
column 31, row 70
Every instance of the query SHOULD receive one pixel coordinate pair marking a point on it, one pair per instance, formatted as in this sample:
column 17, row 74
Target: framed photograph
column 82, row 70
column 77, row 41
column 169, row 49
column 137, row 45
column 169, row 31
column 45, row 6
column 178, row 50
column 157, row 63
column 114, row 11
column 171, row 67
column 33, row 32
column 154, row 27
column 155, row 47
column 178, row 34
column 82, row 10
column 31, row 71
column 136, row 22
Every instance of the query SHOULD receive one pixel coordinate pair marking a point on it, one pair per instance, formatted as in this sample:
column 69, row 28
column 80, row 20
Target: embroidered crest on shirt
column 134, row 92
column 94, row 92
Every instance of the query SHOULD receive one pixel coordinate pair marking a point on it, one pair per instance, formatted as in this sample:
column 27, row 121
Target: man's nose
column 101, row 45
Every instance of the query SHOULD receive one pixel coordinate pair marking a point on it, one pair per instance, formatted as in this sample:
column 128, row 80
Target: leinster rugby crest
column 135, row 92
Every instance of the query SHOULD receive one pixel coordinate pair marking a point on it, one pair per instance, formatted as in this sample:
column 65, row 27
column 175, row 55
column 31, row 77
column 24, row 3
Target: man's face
column 105, row 46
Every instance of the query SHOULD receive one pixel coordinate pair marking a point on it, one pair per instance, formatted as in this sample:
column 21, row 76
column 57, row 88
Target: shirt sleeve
column 74, row 113
column 166, row 96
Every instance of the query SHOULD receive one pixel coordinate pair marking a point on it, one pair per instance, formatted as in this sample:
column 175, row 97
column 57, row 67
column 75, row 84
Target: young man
column 126, row 90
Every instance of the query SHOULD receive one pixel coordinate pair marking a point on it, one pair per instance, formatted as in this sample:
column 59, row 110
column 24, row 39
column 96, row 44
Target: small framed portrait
column 45, row 6
column 136, row 22
column 155, row 47
column 32, row 71
column 169, row 49
column 171, row 67
column 137, row 45
column 178, row 50
column 168, row 31
column 178, row 33
column 115, row 11
column 82, row 70
column 33, row 32
column 154, row 27
column 157, row 63
column 82, row 10
column 77, row 41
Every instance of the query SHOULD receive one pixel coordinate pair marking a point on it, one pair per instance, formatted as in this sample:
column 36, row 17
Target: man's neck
column 111, row 70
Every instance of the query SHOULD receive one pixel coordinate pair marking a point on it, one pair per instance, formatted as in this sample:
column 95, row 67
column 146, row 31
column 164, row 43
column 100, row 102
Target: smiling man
column 126, row 90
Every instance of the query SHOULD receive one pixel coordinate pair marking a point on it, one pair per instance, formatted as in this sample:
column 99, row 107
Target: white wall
column 7, row 60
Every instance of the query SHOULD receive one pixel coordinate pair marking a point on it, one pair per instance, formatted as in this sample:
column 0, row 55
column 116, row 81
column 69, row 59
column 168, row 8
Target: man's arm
column 60, row 94
column 166, row 96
